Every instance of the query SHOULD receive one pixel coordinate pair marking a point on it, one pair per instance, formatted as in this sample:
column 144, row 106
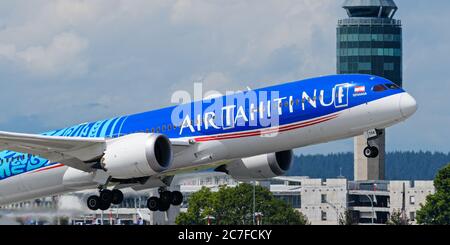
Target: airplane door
column 341, row 95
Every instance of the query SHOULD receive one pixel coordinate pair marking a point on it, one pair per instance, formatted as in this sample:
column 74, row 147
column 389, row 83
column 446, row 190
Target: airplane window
column 164, row 128
column 169, row 127
column 286, row 104
column 392, row 86
column 153, row 130
column 157, row 130
column 292, row 102
column 174, row 126
column 297, row 101
column 280, row 104
column 379, row 88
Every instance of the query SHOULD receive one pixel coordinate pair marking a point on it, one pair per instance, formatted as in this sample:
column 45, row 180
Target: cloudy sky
column 64, row 62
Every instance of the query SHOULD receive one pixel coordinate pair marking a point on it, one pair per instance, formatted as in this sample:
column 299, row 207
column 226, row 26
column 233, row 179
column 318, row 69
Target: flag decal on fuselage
column 360, row 89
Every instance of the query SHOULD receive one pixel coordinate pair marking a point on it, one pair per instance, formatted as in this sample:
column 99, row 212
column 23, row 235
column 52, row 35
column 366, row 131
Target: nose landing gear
column 372, row 151
column 165, row 199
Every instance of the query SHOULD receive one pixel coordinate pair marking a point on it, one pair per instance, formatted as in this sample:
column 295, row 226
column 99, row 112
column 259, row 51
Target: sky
column 64, row 62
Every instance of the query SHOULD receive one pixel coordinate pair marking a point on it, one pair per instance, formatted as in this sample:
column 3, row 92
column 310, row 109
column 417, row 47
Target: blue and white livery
column 248, row 135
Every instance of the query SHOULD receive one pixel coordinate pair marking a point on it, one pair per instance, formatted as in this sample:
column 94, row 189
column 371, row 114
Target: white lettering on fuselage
column 231, row 115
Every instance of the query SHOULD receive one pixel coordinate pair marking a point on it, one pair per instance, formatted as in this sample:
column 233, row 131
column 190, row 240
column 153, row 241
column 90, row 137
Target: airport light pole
column 373, row 210
column 335, row 208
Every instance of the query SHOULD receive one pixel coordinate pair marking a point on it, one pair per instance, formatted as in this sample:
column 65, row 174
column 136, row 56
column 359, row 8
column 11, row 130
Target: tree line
column 407, row 165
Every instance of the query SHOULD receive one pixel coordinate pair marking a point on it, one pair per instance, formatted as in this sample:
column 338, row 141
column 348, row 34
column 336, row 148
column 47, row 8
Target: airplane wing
column 75, row 152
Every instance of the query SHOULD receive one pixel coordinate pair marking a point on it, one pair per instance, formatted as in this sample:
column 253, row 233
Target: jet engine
column 259, row 167
column 137, row 155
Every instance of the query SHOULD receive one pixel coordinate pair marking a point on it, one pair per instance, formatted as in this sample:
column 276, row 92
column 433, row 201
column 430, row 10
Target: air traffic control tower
column 369, row 41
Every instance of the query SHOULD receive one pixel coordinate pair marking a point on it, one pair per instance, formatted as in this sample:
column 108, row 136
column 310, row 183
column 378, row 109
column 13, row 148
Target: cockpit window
column 392, row 86
column 379, row 88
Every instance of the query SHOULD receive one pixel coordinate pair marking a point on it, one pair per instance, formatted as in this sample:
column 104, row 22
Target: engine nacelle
column 137, row 155
column 259, row 167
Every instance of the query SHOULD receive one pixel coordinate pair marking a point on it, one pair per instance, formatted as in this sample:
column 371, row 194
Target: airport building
column 369, row 41
column 323, row 201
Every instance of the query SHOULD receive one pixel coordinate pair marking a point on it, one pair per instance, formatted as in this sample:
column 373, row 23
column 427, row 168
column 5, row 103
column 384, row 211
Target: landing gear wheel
column 106, row 196
column 164, row 205
column 166, row 197
column 117, row 197
column 104, row 206
column 371, row 152
column 93, row 202
column 177, row 198
column 375, row 152
column 153, row 204
column 367, row 151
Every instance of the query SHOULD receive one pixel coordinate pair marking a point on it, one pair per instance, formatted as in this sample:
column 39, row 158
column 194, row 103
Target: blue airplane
column 248, row 135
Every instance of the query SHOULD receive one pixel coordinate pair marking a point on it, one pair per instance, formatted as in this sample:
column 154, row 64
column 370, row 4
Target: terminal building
column 323, row 201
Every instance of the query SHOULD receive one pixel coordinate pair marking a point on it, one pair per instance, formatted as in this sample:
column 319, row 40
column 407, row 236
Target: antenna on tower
column 340, row 174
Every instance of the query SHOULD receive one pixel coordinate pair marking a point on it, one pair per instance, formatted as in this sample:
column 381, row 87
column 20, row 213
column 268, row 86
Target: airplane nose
column 408, row 105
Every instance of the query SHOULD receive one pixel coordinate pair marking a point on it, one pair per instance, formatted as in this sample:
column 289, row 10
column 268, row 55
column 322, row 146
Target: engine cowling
column 259, row 167
column 137, row 155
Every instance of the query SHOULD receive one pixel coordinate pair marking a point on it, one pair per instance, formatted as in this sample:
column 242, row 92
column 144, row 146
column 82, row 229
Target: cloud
column 61, row 55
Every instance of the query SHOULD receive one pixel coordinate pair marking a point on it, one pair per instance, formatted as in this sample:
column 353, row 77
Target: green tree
column 234, row 206
column 397, row 218
column 436, row 210
column 197, row 213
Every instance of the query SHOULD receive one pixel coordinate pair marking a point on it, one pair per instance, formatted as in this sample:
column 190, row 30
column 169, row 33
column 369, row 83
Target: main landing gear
column 104, row 200
column 372, row 151
column 165, row 199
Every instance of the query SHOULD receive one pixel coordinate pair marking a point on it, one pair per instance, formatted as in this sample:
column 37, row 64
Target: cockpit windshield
column 379, row 88
column 392, row 86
